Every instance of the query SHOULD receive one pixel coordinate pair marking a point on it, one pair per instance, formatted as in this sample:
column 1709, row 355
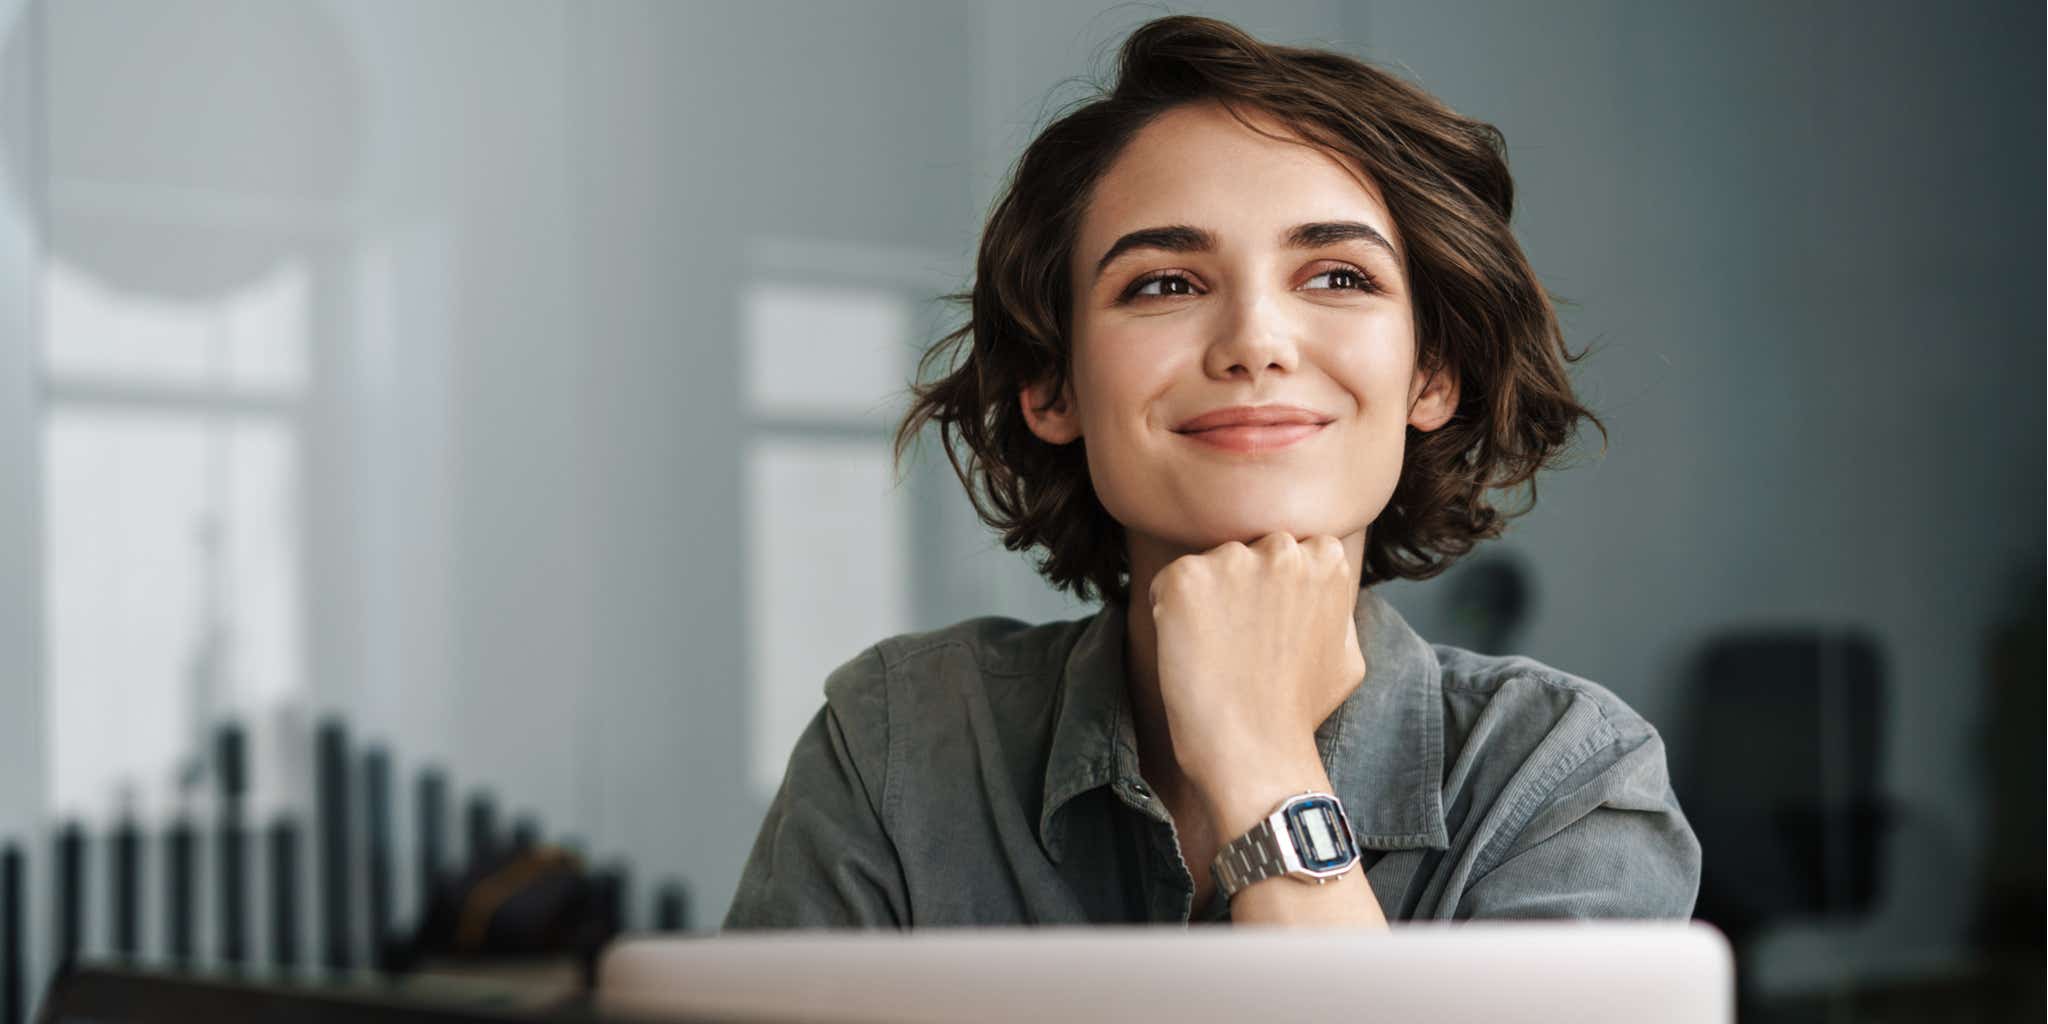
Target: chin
column 1246, row 529
column 1200, row 518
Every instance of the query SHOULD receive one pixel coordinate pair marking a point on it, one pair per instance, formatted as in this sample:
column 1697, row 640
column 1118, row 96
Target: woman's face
column 1218, row 268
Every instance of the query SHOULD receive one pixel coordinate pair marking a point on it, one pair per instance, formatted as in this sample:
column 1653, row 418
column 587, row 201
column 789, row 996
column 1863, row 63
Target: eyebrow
column 1186, row 238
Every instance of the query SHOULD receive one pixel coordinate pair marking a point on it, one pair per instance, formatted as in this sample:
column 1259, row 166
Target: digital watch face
column 1319, row 834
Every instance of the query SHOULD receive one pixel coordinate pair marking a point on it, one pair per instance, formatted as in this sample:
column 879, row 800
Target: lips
column 1253, row 428
column 1253, row 416
column 1254, row 439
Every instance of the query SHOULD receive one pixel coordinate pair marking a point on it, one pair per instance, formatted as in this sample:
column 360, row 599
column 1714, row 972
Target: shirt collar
column 1382, row 747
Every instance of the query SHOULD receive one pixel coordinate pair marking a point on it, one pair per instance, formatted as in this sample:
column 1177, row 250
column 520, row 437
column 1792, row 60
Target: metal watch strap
column 1252, row 857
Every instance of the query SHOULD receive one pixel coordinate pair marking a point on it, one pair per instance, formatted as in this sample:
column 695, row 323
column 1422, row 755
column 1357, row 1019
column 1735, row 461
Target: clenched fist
column 1256, row 646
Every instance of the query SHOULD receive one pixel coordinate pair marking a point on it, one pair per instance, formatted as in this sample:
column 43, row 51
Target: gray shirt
column 987, row 773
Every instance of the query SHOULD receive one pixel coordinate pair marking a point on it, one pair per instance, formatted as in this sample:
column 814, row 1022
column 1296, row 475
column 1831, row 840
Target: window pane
column 92, row 330
column 254, row 338
column 265, row 328
column 173, row 594
column 826, row 578
column 261, row 547
column 824, row 351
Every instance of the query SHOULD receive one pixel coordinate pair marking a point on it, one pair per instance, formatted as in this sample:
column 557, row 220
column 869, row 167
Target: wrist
column 1238, row 800
column 1307, row 837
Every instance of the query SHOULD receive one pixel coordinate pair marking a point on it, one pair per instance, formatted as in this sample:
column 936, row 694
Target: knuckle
column 1165, row 581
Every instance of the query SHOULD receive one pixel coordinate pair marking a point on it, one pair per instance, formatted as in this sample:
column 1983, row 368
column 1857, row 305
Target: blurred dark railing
column 345, row 912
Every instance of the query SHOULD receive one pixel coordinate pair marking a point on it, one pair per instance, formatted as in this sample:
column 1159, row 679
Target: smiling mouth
column 1260, row 437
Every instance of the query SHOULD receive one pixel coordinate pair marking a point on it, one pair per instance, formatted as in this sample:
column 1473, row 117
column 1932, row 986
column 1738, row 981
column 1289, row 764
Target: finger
column 1229, row 549
column 1280, row 548
column 1274, row 541
column 1168, row 579
column 1326, row 550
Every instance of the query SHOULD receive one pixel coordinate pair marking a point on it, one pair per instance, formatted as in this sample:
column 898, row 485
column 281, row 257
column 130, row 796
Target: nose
column 1253, row 339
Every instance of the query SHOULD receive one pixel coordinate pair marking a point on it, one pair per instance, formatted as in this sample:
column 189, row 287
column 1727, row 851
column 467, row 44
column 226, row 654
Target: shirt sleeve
column 823, row 857
column 1609, row 842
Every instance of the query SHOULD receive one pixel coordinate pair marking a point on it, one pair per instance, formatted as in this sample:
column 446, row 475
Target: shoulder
column 1525, row 738
column 910, row 678
column 1534, row 754
column 992, row 645
column 972, row 697
column 986, row 647
column 1517, row 689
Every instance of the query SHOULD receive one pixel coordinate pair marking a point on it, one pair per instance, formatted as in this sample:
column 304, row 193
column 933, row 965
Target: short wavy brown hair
column 1478, row 307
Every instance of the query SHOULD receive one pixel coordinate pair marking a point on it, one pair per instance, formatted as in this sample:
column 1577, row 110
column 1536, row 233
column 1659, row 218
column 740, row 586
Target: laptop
column 109, row 993
column 1591, row 972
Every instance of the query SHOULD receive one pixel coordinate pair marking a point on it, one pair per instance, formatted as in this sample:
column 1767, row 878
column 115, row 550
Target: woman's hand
column 1256, row 646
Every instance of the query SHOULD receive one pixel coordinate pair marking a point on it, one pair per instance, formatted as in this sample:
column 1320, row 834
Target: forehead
column 1198, row 165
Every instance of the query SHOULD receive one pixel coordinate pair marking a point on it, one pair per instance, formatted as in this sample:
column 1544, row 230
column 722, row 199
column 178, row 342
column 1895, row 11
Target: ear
column 1432, row 398
column 1057, row 423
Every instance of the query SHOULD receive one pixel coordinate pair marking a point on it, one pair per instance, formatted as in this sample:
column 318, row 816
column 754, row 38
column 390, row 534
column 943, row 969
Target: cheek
column 1376, row 367
column 1376, row 364
column 1121, row 379
column 1127, row 373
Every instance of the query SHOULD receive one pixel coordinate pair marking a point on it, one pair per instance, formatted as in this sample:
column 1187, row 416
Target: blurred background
column 505, row 386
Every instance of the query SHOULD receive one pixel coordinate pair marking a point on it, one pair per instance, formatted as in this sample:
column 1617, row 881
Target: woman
column 1249, row 334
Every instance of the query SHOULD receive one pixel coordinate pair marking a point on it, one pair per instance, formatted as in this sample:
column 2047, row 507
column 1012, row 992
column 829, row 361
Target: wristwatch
column 1306, row 838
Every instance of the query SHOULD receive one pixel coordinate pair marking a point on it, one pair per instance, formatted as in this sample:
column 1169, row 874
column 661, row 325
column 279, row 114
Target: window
column 172, row 486
column 827, row 353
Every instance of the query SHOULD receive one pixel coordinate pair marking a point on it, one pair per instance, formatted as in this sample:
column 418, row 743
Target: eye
column 1169, row 283
column 1352, row 278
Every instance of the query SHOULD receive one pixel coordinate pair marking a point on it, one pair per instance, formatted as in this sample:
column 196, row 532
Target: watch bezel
column 1286, row 821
